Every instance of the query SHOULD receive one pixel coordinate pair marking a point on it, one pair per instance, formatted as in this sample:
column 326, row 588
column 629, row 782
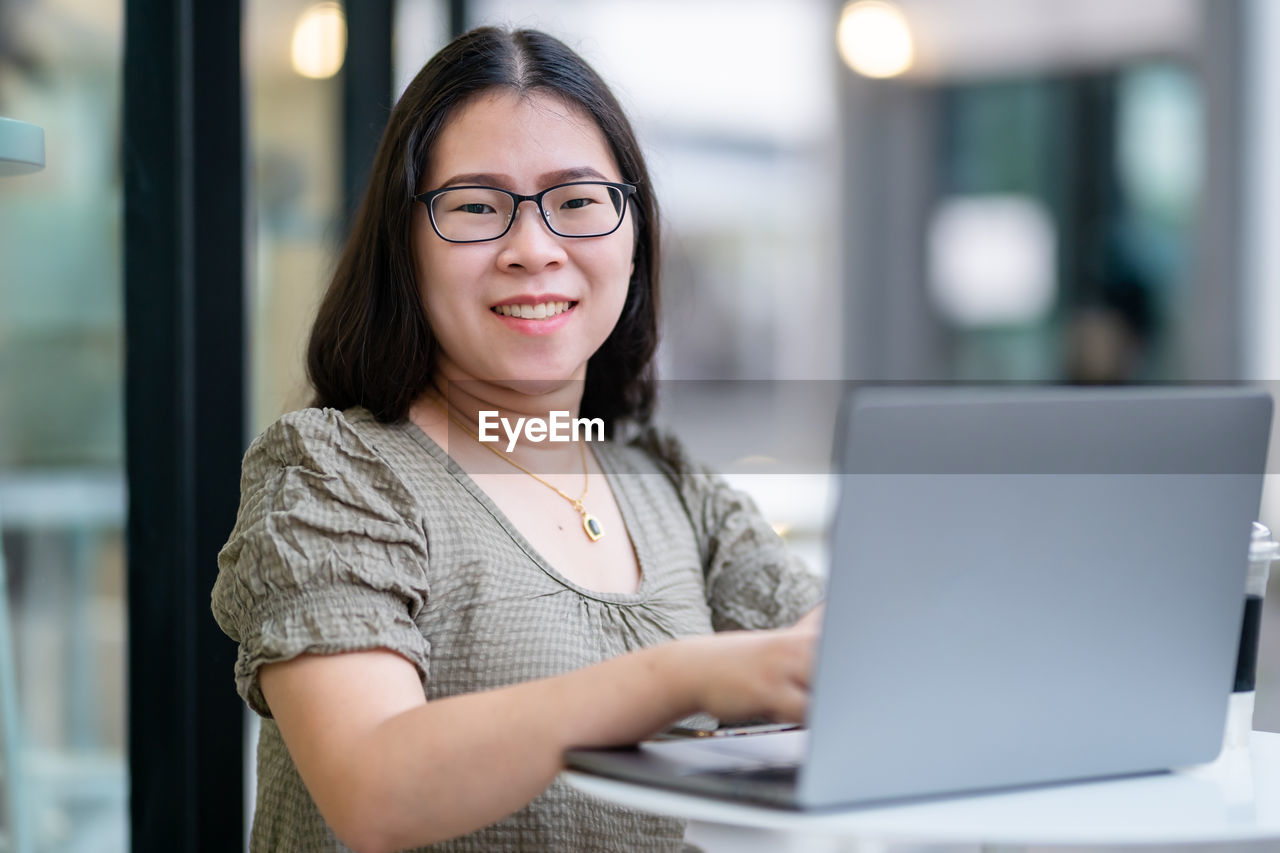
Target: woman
column 427, row 621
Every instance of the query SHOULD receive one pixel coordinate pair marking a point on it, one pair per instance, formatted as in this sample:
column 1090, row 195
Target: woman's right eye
column 476, row 207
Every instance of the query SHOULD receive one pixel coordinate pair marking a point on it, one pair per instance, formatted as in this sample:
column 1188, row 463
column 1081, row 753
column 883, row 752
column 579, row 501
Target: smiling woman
column 426, row 621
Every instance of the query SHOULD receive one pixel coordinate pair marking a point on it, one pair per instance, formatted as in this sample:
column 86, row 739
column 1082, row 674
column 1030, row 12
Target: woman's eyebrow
column 576, row 173
column 486, row 179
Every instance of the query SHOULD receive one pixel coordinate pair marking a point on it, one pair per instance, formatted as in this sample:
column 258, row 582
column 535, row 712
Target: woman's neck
column 468, row 398
column 535, row 425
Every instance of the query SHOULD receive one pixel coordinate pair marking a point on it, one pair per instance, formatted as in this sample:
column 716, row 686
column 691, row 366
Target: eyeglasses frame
column 428, row 197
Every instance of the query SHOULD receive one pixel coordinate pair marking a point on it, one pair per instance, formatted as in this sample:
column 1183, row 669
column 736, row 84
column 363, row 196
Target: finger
column 801, row 664
column 807, row 671
column 792, row 706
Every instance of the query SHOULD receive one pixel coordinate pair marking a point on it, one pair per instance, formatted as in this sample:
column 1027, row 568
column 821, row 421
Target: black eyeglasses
column 477, row 214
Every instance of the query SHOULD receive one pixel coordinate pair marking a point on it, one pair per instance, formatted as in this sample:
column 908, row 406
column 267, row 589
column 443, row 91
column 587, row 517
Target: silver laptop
column 1028, row 585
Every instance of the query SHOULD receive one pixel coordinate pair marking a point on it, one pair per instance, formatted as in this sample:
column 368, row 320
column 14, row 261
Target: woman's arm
column 812, row 621
column 389, row 770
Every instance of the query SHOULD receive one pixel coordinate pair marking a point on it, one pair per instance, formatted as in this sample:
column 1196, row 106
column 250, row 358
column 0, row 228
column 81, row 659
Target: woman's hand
column 812, row 620
column 739, row 675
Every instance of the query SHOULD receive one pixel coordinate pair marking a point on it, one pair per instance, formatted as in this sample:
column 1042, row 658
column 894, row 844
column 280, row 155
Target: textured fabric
column 354, row 535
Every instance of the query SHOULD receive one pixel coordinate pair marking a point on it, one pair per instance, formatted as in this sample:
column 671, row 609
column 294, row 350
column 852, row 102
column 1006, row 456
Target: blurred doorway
column 1048, row 193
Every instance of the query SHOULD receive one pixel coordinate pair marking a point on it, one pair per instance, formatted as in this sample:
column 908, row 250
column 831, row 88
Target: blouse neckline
column 608, row 464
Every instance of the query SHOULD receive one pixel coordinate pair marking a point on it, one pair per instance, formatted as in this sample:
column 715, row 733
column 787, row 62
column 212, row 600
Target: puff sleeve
column 325, row 557
column 752, row 579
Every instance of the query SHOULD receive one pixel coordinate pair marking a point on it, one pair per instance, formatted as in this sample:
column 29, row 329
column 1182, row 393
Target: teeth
column 541, row 311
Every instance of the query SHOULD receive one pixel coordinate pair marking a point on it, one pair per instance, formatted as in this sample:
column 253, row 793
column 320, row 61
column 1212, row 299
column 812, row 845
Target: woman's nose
column 530, row 244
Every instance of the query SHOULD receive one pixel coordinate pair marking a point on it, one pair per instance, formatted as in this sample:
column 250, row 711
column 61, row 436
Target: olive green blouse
column 354, row 534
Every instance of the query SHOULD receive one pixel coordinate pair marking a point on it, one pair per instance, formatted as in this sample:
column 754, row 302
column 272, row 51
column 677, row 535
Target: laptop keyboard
column 777, row 773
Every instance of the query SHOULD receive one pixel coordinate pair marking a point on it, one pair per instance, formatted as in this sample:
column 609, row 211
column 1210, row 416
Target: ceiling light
column 874, row 38
column 320, row 41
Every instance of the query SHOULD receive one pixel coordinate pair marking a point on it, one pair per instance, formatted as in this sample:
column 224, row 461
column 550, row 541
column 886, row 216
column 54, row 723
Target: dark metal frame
column 366, row 93
column 183, row 149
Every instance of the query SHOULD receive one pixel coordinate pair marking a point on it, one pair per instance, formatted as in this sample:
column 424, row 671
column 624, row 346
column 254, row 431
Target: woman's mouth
column 535, row 311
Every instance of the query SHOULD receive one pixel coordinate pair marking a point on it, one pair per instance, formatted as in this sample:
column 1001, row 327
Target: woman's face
column 471, row 291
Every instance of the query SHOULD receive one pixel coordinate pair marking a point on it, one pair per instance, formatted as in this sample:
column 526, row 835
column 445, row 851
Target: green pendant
column 592, row 526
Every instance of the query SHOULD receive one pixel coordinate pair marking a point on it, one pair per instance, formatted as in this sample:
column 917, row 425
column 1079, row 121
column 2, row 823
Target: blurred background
column 1002, row 190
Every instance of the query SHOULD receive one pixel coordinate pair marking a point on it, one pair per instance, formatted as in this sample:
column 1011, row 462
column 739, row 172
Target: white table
column 1236, row 798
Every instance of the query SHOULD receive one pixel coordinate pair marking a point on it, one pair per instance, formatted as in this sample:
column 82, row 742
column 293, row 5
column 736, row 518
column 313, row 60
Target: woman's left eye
column 575, row 203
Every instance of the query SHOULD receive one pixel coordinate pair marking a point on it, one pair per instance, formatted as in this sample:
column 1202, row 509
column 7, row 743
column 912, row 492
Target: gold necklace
column 590, row 524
